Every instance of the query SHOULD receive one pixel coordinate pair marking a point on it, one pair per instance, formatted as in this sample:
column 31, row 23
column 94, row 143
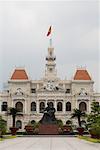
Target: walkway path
column 47, row 143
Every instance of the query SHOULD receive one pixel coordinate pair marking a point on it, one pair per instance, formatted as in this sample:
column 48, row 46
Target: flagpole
column 50, row 42
column 51, row 38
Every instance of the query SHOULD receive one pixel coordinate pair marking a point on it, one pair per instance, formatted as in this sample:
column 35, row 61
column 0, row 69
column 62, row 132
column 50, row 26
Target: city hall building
column 30, row 97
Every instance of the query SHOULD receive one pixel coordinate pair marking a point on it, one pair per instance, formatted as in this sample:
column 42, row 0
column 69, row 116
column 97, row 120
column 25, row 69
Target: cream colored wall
column 29, row 97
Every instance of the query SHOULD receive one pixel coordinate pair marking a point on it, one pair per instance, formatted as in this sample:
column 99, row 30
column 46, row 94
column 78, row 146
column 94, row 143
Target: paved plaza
column 48, row 143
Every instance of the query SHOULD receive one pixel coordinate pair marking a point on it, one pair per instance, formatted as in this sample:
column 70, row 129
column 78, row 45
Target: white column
column 46, row 103
column 37, row 106
column 76, row 103
column 55, row 105
column 25, row 107
column 64, row 107
column 12, row 101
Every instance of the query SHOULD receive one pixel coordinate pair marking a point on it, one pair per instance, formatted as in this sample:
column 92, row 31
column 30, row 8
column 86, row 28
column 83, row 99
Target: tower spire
column 50, row 55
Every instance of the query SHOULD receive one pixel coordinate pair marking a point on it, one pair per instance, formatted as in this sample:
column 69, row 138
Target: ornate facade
column 31, row 96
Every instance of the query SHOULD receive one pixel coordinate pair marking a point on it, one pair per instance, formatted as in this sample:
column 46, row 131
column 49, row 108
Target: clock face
column 50, row 86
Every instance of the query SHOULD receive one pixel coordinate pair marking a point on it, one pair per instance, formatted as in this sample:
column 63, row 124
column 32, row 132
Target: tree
column 94, row 116
column 78, row 114
column 13, row 112
column 95, row 108
column 3, row 126
column 93, row 120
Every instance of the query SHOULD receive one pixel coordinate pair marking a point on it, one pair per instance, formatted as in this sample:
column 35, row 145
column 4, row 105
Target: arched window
column 19, row 124
column 33, row 106
column 83, row 106
column 51, row 104
column 68, row 106
column 42, row 106
column 19, row 106
column 33, row 121
column 4, row 106
column 59, row 106
column 83, row 123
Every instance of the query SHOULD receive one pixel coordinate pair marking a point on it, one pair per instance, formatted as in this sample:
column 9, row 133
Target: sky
column 75, row 37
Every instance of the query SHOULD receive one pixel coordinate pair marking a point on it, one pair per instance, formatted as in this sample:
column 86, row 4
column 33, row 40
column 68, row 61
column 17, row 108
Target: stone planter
column 80, row 130
column 13, row 130
column 29, row 129
column 48, row 129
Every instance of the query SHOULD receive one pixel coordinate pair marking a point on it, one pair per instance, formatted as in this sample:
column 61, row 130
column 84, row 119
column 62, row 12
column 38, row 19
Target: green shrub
column 95, row 129
column 94, row 120
column 3, row 126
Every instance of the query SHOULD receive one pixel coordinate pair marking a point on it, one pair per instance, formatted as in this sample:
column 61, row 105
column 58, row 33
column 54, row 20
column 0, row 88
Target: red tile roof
column 19, row 74
column 82, row 75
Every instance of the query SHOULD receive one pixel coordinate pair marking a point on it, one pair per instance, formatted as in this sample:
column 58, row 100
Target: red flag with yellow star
column 49, row 31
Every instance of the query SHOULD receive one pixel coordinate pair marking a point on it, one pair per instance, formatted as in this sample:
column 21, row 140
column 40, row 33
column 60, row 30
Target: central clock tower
column 50, row 68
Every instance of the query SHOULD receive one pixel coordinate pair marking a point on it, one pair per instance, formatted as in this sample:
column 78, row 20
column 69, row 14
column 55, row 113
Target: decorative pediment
column 19, row 92
column 83, row 92
column 46, row 88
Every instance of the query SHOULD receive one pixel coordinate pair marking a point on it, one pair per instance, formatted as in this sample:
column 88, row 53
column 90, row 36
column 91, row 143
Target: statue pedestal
column 48, row 129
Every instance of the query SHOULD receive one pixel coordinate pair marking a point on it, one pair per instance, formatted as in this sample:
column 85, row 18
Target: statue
column 49, row 115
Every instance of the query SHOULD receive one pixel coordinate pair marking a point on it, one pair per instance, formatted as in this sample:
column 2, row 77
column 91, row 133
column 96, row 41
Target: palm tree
column 13, row 112
column 78, row 114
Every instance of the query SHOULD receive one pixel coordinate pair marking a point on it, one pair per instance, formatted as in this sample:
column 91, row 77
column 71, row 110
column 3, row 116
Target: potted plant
column 78, row 114
column 67, row 128
column 13, row 112
column 29, row 128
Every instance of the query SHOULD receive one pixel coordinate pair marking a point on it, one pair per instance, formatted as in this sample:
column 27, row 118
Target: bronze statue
column 49, row 115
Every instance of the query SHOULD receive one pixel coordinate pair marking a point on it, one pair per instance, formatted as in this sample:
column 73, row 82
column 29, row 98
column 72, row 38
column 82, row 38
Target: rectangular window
column 67, row 90
column 33, row 90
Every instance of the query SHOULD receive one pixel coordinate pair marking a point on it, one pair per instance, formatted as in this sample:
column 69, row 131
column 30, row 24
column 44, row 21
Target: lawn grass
column 89, row 139
column 7, row 137
column 1, row 139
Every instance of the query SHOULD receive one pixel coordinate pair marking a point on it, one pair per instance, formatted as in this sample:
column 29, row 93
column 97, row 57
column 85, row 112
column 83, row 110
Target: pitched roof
column 19, row 74
column 82, row 75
